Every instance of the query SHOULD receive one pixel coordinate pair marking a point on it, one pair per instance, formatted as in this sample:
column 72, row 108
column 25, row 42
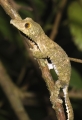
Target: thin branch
column 9, row 9
column 11, row 92
column 74, row 94
column 75, row 60
column 57, row 20
column 77, row 94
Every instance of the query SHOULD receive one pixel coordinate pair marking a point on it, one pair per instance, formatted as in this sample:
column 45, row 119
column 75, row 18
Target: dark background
column 16, row 60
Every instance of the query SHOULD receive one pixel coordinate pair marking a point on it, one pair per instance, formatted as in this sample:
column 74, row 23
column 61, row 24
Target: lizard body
column 44, row 48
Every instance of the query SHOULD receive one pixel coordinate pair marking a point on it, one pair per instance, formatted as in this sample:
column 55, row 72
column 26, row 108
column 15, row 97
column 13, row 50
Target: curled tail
column 69, row 108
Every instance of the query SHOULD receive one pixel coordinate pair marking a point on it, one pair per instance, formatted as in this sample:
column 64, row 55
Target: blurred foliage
column 75, row 22
column 15, row 57
column 76, row 79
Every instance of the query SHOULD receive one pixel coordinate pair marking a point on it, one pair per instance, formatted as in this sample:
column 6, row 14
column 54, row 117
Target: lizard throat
column 29, row 39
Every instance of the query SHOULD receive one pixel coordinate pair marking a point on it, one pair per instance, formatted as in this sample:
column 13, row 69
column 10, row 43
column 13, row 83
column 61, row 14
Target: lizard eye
column 27, row 25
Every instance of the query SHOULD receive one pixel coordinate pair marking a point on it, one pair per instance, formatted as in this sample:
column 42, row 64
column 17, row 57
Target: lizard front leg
column 37, row 53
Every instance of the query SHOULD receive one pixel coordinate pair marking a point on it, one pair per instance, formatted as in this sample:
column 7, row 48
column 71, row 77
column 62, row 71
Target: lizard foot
column 55, row 100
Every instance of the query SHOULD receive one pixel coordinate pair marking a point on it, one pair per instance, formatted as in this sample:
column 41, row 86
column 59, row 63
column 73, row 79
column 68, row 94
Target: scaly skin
column 44, row 47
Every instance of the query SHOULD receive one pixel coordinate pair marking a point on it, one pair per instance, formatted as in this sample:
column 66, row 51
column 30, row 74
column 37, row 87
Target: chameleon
column 45, row 48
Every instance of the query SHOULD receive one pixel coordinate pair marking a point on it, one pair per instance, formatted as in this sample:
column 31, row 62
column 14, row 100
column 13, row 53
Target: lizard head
column 28, row 28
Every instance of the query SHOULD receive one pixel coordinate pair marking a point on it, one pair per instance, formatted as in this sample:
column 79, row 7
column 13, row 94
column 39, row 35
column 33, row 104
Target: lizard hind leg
column 54, row 98
column 69, row 108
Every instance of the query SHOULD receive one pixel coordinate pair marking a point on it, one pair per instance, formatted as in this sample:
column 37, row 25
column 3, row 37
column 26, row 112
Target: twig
column 11, row 92
column 75, row 60
column 77, row 94
column 45, row 72
column 9, row 9
column 57, row 20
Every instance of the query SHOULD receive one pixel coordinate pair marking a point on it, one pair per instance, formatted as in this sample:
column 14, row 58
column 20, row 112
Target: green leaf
column 76, row 31
column 75, row 23
column 54, row 75
column 75, row 14
column 76, row 79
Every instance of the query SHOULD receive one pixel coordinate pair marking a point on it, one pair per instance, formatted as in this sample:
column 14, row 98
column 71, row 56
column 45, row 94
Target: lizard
column 45, row 48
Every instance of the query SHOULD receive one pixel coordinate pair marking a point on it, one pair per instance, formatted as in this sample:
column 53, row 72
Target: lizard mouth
column 32, row 42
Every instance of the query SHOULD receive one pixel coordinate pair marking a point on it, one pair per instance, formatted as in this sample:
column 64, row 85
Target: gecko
column 45, row 48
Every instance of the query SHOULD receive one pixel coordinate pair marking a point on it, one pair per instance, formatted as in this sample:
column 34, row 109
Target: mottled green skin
column 48, row 48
